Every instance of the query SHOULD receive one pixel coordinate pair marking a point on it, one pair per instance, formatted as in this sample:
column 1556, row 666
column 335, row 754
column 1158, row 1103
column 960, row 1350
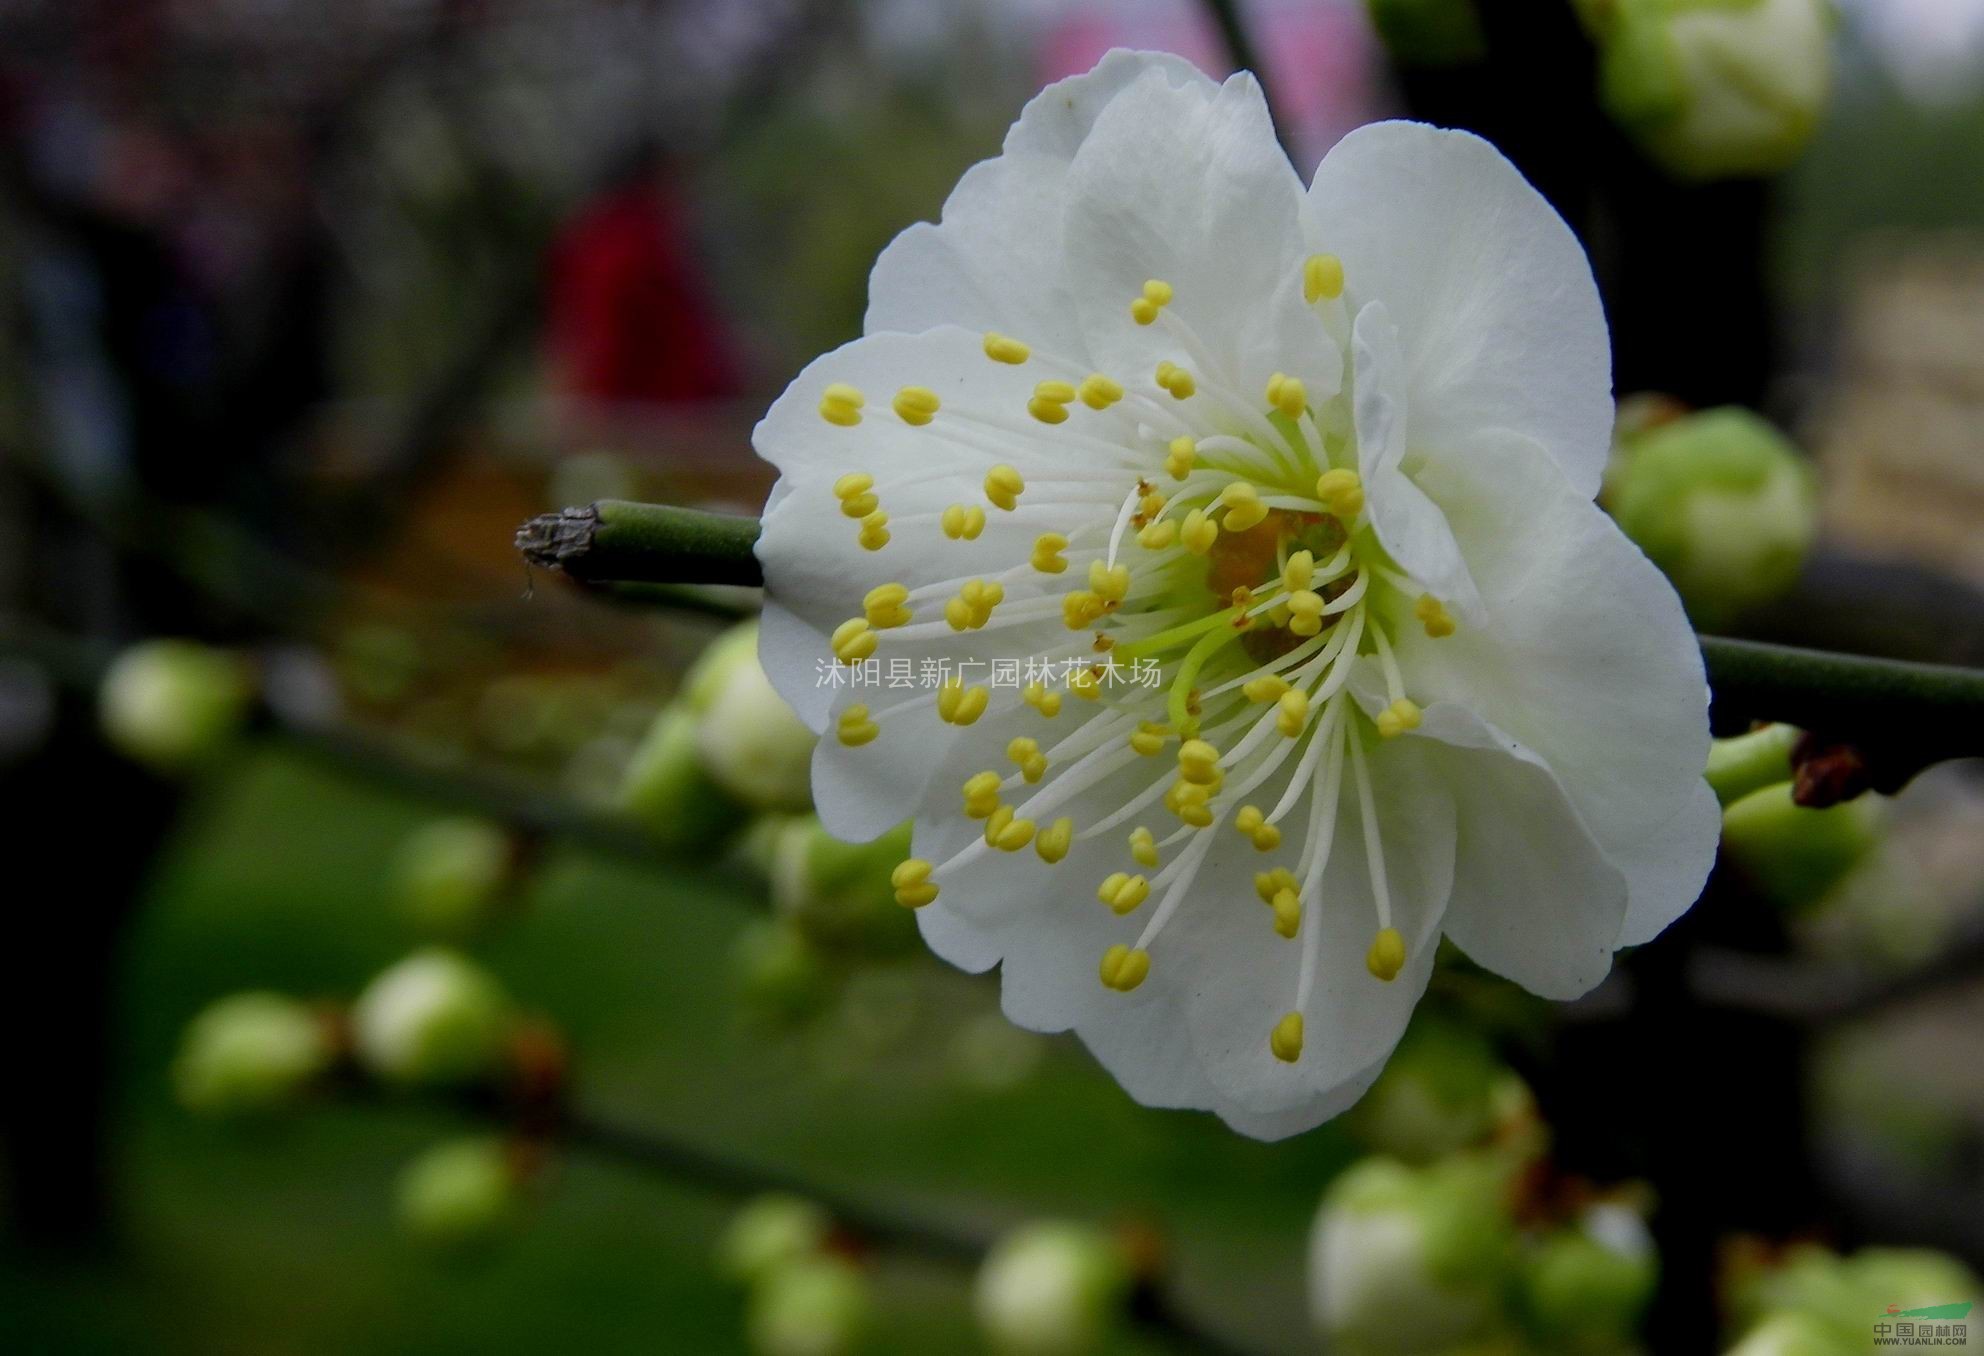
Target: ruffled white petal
column 1587, row 660
column 1492, row 294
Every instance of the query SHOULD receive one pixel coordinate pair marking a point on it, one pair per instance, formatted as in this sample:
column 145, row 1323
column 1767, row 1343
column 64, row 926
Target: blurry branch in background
column 1225, row 15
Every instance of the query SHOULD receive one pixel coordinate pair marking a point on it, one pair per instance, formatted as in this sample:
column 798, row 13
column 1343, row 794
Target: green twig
column 618, row 541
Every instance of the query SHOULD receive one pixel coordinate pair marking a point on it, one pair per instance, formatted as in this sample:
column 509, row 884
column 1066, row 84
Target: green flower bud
column 1796, row 856
column 815, row 1306
column 1715, row 89
column 249, row 1052
column 1429, row 32
column 460, row 1194
column 990, row 1054
column 1796, row 1335
column 1844, row 1297
column 667, row 790
column 720, row 660
column 1406, row 1260
column 753, row 745
column 1051, row 1289
column 449, row 875
column 173, row 703
column 839, row 894
column 1585, row 1289
column 768, row 1233
column 434, row 1018
column 780, row 976
column 1751, row 762
column 1436, row 1095
column 1722, row 503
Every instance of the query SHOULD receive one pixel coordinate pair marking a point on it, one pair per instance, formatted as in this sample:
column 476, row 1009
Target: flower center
column 1227, row 581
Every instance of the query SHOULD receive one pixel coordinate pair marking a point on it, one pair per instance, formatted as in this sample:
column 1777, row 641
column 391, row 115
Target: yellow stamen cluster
column 1003, row 486
column 1199, row 532
column 916, row 405
column 1040, row 699
column 1143, row 846
column 1322, row 278
column 1047, row 549
column 1099, row 392
column 855, row 728
column 972, row 607
column 963, row 522
column 1006, row 833
column 1286, row 1040
column 1176, row 382
column 1054, row 841
column 1001, row 349
column 841, row 404
column 1291, row 714
column 1156, row 296
column 1433, row 615
column 1268, row 884
column 1288, row 394
column 1050, row 402
column 1387, row 955
column 885, row 606
column 1251, row 822
column 1180, row 456
column 961, row 705
column 912, row 883
column 1400, row 716
column 1124, row 969
column 1199, row 777
column 1341, row 491
column 1026, row 753
column 981, row 794
column 1123, row 892
column 1244, row 508
column 1287, row 906
column 853, row 641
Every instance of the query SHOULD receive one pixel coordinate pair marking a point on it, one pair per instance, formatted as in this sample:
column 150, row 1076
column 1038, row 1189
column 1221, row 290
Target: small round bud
column 753, row 745
column 249, row 1052
column 459, row 1194
column 449, row 876
column 1793, row 1335
column 1843, row 1296
column 770, row 1232
column 1436, row 1095
column 173, row 703
column 1585, row 1288
column 1722, row 502
column 1750, row 762
column 1794, row 855
column 815, row 1306
column 1720, row 90
column 706, row 679
column 434, row 1018
column 780, row 976
column 667, row 790
column 841, row 895
column 1051, row 1289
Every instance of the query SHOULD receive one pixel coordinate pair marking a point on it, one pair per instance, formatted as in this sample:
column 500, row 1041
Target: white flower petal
column 1587, row 659
column 1492, row 294
column 995, row 261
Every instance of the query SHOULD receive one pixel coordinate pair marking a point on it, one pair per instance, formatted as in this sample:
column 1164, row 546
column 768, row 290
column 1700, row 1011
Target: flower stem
column 618, row 541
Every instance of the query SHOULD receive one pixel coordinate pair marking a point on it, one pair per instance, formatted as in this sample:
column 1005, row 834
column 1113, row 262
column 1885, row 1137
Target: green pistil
column 1176, row 705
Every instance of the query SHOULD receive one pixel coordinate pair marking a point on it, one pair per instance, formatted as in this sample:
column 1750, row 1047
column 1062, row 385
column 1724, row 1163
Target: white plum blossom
column 1210, row 570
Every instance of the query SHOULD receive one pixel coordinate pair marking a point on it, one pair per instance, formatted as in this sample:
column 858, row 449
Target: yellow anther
column 916, row 405
column 1247, row 818
column 1082, row 608
column 1050, row 401
column 1158, row 292
column 1156, row 296
column 1143, row 310
column 1387, row 955
column 1085, row 684
column 1433, row 615
column 1123, row 892
column 1099, row 392
column 1003, row 487
column 1158, row 536
column 1268, row 884
column 1109, row 583
column 1001, row 349
column 1124, row 969
column 912, row 883
column 961, row 705
column 1006, row 833
column 981, row 794
column 860, row 505
column 1291, row 712
column 1143, row 846
column 1266, row 688
column 855, row 728
column 1250, row 821
column 1151, row 504
column 1026, row 753
column 852, row 484
column 1040, row 699
column 884, row 606
column 874, row 534
column 1286, row 1042
column 1053, row 842
column 1149, row 738
column 1180, row 456
column 1300, row 569
column 963, row 522
column 1287, row 912
column 1177, row 382
column 1190, row 803
column 1243, row 505
column 1198, row 533
column 841, row 404
column 1047, row 549
column 1198, row 762
column 1322, row 278
column 1341, row 491
column 853, row 641
column 1287, row 394
column 1402, row 715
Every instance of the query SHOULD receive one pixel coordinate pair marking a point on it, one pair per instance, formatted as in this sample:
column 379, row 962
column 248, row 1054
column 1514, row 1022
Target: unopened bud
column 751, row 742
column 767, row 1233
column 780, row 976
column 173, row 703
column 249, row 1052
column 1585, row 1288
column 815, row 1306
column 667, row 790
column 459, row 1194
column 449, row 875
column 434, row 1018
column 1794, row 1335
column 1795, row 855
column 1051, row 1289
column 1750, row 762
column 1436, row 1095
column 840, row 894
